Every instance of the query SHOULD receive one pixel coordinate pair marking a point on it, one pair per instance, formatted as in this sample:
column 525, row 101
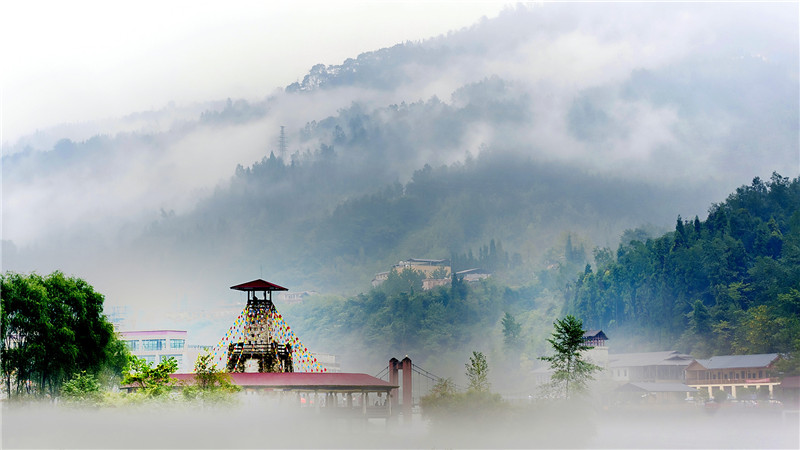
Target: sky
column 67, row 62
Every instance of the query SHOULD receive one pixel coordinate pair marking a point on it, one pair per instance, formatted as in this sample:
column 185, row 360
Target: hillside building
column 292, row 297
column 437, row 272
column 472, row 275
column 432, row 269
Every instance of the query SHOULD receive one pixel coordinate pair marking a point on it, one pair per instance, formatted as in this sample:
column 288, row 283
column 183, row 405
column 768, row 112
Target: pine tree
column 571, row 371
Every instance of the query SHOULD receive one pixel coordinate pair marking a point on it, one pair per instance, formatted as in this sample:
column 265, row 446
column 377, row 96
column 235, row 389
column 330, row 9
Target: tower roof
column 258, row 285
column 596, row 334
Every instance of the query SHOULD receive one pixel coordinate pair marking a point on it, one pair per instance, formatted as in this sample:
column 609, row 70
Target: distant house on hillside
column 437, row 272
column 293, row 297
column 432, row 269
column 426, row 266
column 734, row 373
column 380, row 278
column 471, row 275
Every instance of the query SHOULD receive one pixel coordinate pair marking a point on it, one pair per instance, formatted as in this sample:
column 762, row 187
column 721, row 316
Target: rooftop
column 596, row 334
column 258, row 285
column 664, row 358
column 303, row 381
column 738, row 361
column 150, row 332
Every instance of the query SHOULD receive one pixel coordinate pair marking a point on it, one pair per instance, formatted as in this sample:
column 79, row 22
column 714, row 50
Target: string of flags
column 302, row 359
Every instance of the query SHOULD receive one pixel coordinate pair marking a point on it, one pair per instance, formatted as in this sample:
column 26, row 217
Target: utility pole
column 282, row 144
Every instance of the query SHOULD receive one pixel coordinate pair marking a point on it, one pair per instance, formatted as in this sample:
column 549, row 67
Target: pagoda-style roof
column 258, row 285
column 595, row 334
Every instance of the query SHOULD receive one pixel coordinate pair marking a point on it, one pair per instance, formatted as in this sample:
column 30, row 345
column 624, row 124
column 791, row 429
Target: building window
column 150, row 359
column 153, row 344
column 760, row 374
column 132, row 345
column 177, row 343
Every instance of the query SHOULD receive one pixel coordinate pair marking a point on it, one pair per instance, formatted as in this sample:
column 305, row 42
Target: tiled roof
column 738, row 361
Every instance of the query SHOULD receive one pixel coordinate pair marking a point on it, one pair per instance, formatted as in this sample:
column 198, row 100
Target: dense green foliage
column 52, row 328
column 151, row 381
column 82, row 388
column 210, row 384
column 571, row 372
column 726, row 285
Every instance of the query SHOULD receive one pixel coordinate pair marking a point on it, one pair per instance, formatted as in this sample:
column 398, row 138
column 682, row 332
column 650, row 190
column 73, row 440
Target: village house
column 436, row 272
column 735, row 374
column 432, row 269
column 292, row 297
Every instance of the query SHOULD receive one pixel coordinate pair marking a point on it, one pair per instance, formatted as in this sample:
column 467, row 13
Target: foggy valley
column 634, row 165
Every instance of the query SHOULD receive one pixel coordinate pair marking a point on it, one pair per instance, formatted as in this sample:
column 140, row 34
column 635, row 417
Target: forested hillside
column 332, row 237
column 726, row 285
column 729, row 284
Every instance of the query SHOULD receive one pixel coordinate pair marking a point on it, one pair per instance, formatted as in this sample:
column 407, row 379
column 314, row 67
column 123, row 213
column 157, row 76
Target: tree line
column 53, row 328
column 729, row 284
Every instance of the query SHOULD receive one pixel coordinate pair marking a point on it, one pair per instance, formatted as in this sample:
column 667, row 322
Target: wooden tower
column 259, row 345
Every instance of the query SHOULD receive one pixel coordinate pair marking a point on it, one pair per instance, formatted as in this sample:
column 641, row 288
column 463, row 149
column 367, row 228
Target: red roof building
column 302, row 381
column 357, row 393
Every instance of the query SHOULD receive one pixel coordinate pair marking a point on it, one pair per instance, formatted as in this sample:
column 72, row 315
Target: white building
column 156, row 345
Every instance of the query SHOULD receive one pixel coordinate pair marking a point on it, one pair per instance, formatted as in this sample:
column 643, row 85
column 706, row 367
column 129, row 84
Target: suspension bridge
column 417, row 382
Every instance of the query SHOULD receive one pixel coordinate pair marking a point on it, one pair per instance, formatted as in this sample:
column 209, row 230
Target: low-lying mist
column 259, row 423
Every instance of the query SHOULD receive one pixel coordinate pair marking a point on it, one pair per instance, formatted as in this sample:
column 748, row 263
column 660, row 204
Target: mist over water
column 264, row 424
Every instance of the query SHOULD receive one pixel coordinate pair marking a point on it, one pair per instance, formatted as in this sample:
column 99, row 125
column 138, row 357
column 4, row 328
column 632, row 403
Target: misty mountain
column 543, row 124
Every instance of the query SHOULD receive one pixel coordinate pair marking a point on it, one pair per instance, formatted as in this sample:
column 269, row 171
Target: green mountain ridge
column 729, row 284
